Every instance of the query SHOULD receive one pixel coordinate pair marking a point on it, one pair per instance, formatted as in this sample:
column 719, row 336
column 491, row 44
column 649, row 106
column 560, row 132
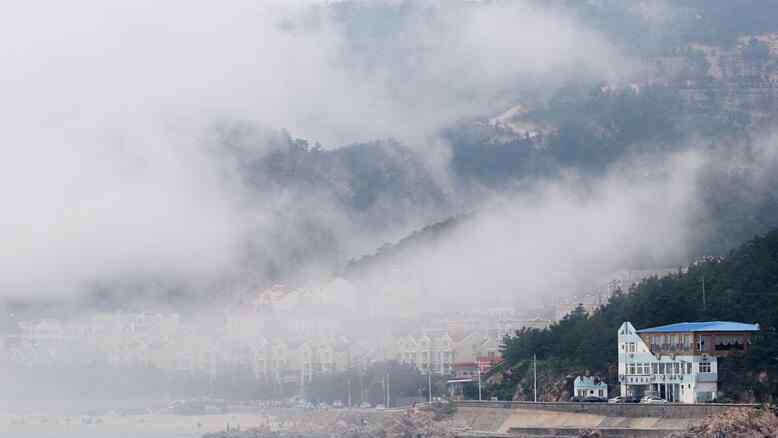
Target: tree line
column 740, row 287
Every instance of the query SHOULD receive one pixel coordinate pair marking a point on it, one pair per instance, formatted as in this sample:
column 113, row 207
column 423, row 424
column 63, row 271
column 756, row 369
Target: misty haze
column 389, row 218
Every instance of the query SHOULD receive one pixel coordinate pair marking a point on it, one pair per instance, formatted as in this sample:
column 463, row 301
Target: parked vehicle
column 365, row 405
column 380, row 407
column 651, row 399
column 624, row 399
column 593, row 399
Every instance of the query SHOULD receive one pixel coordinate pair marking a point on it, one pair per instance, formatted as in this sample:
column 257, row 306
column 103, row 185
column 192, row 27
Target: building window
column 704, row 367
column 726, row 343
column 654, row 368
column 689, row 368
column 631, row 369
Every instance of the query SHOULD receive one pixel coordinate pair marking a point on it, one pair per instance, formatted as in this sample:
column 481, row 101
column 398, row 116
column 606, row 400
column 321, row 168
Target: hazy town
column 389, row 219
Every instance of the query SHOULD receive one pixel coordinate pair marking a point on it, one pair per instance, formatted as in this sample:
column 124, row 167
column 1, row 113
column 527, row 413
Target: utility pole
column 535, row 373
column 348, row 383
column 479, row 381
column 429, row 385
column 388, row 390
column 384, row 385
column 361, row 388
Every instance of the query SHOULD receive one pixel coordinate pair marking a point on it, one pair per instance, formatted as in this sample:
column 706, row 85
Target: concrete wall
column 482, row 420
column 628, row 410
column 574, row 433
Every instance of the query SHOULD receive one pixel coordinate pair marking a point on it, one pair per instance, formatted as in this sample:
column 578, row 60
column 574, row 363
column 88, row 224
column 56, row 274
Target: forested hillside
column 740, row 287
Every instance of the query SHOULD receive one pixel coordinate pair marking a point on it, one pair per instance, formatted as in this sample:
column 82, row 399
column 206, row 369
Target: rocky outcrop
column 409, row 424
column 736, row 423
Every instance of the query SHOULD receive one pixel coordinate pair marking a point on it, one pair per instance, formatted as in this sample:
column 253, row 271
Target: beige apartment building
column 431, row 352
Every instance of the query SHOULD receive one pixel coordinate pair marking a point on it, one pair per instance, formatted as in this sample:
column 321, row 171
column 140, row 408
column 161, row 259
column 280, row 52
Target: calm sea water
column 97, row 434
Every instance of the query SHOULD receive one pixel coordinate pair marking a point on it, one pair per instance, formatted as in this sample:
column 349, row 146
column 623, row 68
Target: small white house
column 590, row 387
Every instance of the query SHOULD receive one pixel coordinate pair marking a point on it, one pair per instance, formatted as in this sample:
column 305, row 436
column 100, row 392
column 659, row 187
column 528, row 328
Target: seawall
column 551, row 420
column 629, row 410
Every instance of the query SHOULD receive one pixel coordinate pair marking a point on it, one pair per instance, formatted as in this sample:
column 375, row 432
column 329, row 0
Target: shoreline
column 144, row 425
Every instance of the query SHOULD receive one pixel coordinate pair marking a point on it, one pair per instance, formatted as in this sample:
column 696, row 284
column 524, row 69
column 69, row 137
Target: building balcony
column 707, row 377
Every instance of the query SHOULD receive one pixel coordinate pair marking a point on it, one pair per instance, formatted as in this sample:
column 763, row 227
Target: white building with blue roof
column 678, row 362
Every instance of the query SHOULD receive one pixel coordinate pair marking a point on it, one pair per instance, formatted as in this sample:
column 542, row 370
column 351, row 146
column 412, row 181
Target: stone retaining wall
column 574, row 433
column 629, row 410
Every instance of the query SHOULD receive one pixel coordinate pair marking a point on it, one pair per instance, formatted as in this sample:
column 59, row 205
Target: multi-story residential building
column 161, row 341
column 436, row 351
column 588, row 302
column 432, row 352
column 678, row 362
column 306, row 359
column 465, row 373
column 279, row 359
column 262, row 359
column 509, row 326
column 478, row 346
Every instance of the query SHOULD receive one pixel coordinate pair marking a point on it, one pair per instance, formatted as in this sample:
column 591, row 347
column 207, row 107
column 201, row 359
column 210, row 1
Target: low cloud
column 561, row 238
column 109, row 165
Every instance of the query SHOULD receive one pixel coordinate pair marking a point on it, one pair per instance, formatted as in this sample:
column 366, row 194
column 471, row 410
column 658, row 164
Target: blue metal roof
column 708, row 326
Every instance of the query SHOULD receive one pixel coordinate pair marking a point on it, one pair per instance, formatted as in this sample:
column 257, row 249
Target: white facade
column 584, row 386
column 674, row 377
